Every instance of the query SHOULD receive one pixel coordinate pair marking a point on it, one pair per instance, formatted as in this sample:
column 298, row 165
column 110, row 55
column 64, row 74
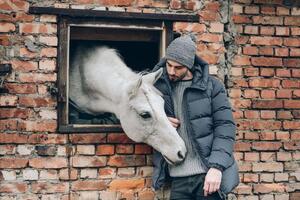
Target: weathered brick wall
column 253, row 45
column 265, row 94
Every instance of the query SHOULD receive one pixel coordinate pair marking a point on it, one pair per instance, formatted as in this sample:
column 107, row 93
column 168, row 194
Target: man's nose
column 171, row 71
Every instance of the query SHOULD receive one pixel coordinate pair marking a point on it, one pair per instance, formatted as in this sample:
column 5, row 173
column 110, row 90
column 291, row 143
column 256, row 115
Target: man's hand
column 175, row 122
column 212, row 181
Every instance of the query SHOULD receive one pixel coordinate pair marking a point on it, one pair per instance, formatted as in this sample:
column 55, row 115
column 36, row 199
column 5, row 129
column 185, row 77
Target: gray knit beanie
column 182, row 50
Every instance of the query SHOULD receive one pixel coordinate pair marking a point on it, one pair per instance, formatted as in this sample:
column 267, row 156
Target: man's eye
column 145, row 115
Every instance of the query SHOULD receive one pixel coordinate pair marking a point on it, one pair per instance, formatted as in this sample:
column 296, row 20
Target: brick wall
column 253, row 45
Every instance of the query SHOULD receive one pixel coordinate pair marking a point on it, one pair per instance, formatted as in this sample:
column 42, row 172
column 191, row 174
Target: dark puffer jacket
column 211, row 124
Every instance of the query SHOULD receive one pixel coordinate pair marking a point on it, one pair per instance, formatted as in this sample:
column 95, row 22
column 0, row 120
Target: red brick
column 250, row 50
column 118, row 138
column 284, row 156
column 267, row 94
column 142, row 149
column 296, row 93
column 126, row 160
column 13, row 163
column 268, row 156
column 147, row 194
column 89, row 185
column 291, row 124
column 251, row 114
column 250, row 178
column 38, row 126
column 282, row 135
column 295, row 30
column 264, row 83
column 48, row 163
column 291, row 104
column 283, row 73
column 291, row 62
column 8, row 124
column 267, row 10
column 266, row 146
column 241, row 19
column 16, row 113
column 251, row 9
column 16, row 5
column 290, row 84
column 267, row 30
column 44, row 187
column 296, row 73
column 37, row 28
column 291, row 145
column 210, row 37
column 36, row 101
column 124, row 149
column 267, row 20
column 292, row 42
column 89, row 161
column 261, row 125
column 236, row 71
column 49, row 40
column 13, row 138
column 48, row 52
column 259, row 40
column 266, row 51
column 267, row 135
column 282, row 52
column 242, row 146
column 241, row 103
column 284, row 115
column 267, row 72
column 235, row 93
column 7, row 27
column 213, row 6
column 244, row 189
column 253, row 30
column 251, row 156
column 268, row 114
column 251, row 72
column 13, row 187
column 251, row 93
column 37, row 77
column 208, row 16
column 241, row 60
column 292, row 21
column 296, row 114
column 268, row 167
column 284, row 93
column 105, row 149
column 5, row 40
column 90, row 138
column 282, row 11
column 268, row 188
column 47, row 139
column 267, row 104
column 132, row 184
column 175, row 4
column 242, row 39
column 25, row 53
column 295, row 52
column 284, row 31
column 8, row 100
column 15, row 88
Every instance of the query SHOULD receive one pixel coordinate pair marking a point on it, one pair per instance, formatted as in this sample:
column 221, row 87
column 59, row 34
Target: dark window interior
column 138, row 48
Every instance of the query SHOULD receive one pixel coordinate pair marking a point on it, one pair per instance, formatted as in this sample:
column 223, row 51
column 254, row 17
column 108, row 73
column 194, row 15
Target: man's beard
column 174, row 78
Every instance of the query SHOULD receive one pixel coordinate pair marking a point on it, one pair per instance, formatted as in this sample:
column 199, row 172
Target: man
column 197, row 105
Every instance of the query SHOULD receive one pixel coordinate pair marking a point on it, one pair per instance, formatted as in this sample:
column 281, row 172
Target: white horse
column 101, row 82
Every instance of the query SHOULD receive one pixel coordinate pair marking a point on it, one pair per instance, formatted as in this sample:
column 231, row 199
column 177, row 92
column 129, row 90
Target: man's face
column 176, row 71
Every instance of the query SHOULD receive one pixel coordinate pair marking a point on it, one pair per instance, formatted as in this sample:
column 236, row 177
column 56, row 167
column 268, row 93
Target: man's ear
column 153, row 77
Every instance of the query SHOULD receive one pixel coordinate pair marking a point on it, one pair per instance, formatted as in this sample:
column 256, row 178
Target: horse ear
column 134, row 86
column 153, row 77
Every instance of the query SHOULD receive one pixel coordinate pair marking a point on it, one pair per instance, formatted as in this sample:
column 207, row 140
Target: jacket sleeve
column 224, row 129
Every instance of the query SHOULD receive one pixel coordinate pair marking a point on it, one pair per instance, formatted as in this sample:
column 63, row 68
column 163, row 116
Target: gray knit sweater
column 192, row 164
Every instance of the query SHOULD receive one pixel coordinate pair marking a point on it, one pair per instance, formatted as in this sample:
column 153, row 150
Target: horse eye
column 145, row 115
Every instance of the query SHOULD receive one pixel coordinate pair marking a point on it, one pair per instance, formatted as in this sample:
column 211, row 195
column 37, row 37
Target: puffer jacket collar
column 200, row 73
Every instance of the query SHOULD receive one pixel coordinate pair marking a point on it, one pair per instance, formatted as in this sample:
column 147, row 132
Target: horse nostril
column 180, row 155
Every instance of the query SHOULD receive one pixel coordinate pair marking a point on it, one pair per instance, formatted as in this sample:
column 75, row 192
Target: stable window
column 141, row 40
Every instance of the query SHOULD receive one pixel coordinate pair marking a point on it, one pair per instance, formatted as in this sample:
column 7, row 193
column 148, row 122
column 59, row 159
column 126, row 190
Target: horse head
column 143, row 118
